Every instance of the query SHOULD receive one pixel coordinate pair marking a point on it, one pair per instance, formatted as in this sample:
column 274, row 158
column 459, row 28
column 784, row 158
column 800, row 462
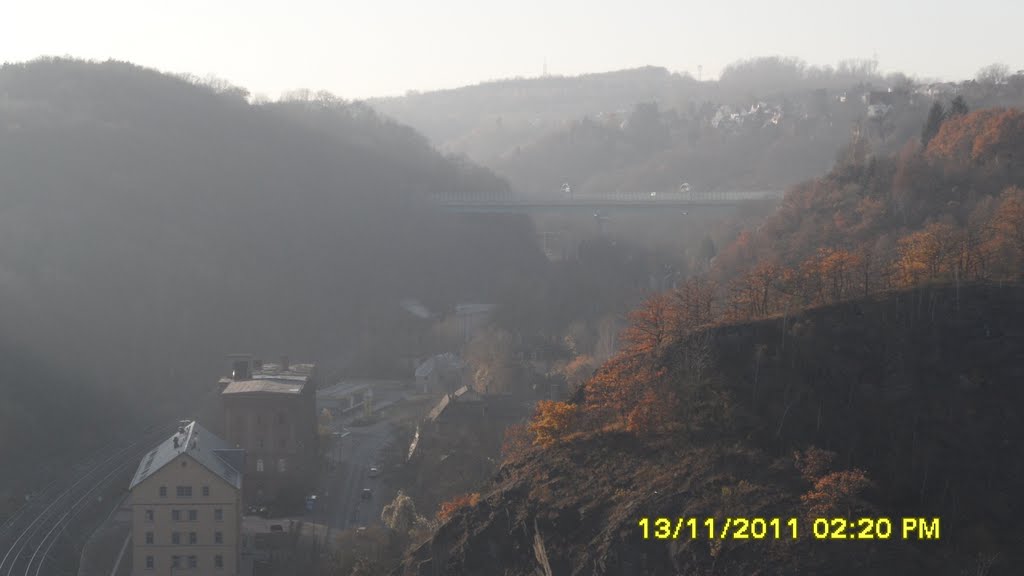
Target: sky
column 387, row 47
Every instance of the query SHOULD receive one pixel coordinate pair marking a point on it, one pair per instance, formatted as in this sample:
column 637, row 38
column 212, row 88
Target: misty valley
column 633, row 322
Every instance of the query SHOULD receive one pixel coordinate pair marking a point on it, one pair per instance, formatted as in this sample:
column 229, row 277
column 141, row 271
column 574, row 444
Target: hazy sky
column 383, row 47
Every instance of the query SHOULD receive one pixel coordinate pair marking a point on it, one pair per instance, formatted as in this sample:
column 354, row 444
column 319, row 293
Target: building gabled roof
column 439, row 362
column 203, row 446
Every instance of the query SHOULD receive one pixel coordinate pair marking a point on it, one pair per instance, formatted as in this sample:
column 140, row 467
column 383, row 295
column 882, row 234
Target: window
column 259, row 465
column 218, row 561
column 192, row 539
column 175, row 561
column 218, row 537
column 184, row 491
column 163, row 491
column 176, row 515
column 149, row 562
column 149, row 537
column 281, row 465
column 193, row 515
column 218, row 515
column 192, row 562
column 175, row 538
column 149, row 515
column 206, row 490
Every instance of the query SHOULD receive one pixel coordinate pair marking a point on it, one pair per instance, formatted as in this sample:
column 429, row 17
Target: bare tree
column 993, row 74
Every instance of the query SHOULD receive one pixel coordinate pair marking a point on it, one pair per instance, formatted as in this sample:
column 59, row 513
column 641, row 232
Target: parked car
column 374, row 472
column 367, row 493
column 276, row 528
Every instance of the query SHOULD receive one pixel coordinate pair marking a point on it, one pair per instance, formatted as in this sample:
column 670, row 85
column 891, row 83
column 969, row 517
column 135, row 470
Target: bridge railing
column 675, row 198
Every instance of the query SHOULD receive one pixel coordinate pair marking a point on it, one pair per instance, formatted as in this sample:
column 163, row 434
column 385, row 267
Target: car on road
column 255, row 510
column 374, row 472
column 367, row 494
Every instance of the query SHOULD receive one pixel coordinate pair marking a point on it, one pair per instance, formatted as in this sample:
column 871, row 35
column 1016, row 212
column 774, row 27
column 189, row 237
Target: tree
column 928, row 254
column 577, row 371
column 1008, row 224
column 707, row 249
column 449, row 508
column 931, row 126
column 651, row 325
column 836, row 493
column 993, row 74
column 400, row 515
column 958, row 107
column 517, row 441
column 491, row 357
column 552, row 421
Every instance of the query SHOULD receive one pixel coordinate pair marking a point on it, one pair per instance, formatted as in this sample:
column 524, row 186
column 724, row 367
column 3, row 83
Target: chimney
column 241, row 367
column 284, row 363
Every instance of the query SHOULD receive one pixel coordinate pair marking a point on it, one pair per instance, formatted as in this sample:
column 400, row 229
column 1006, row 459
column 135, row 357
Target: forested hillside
column 766, row 123
column 150, row 224
column 856, row 355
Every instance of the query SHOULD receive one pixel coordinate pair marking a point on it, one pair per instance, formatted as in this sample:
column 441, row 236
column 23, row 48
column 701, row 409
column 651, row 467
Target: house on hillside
column 270, row 412
column 464, row 407
column 186, row 499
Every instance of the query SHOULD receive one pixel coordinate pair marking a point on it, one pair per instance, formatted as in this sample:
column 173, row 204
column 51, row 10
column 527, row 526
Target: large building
column 270, row 412
column 186, row 506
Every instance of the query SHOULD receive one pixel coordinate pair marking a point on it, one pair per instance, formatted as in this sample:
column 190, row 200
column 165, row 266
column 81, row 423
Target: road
column 341, row 505
column 357, row 452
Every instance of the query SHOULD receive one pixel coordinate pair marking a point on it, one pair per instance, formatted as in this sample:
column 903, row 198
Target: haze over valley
column 511, row 326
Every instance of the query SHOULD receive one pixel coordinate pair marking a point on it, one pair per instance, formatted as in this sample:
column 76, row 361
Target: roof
column 264, row 387
column 343, row 389
column 461, row 309
column 416, row 308
column 467, row 394
column 300, row 372
column 440, row 408
column 203, row 446
column 426, row 368
column 445, row 361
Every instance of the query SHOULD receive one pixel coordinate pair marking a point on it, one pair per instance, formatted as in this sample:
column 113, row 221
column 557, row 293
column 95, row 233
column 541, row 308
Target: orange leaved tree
column 552, row 421
column 449, row 508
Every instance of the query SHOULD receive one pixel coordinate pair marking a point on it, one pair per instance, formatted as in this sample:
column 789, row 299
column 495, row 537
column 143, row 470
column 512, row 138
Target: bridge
column 597, row 205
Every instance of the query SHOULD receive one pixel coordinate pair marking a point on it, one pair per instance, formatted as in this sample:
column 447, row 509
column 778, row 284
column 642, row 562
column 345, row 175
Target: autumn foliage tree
column 552, row 421
column 833, row 492
column 517, row 441
column 449, row 508
column 928, row 254
column 1008, row 224
column 836, row 493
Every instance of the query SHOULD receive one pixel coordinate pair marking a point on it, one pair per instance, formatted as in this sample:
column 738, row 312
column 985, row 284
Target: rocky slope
column 919, row 390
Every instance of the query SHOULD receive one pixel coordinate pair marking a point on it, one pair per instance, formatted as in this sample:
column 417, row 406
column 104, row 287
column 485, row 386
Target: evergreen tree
column 931, row 126
column 958, row 107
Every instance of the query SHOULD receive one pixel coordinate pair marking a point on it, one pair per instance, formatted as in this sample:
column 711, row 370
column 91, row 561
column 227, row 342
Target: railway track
column 58, row 509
